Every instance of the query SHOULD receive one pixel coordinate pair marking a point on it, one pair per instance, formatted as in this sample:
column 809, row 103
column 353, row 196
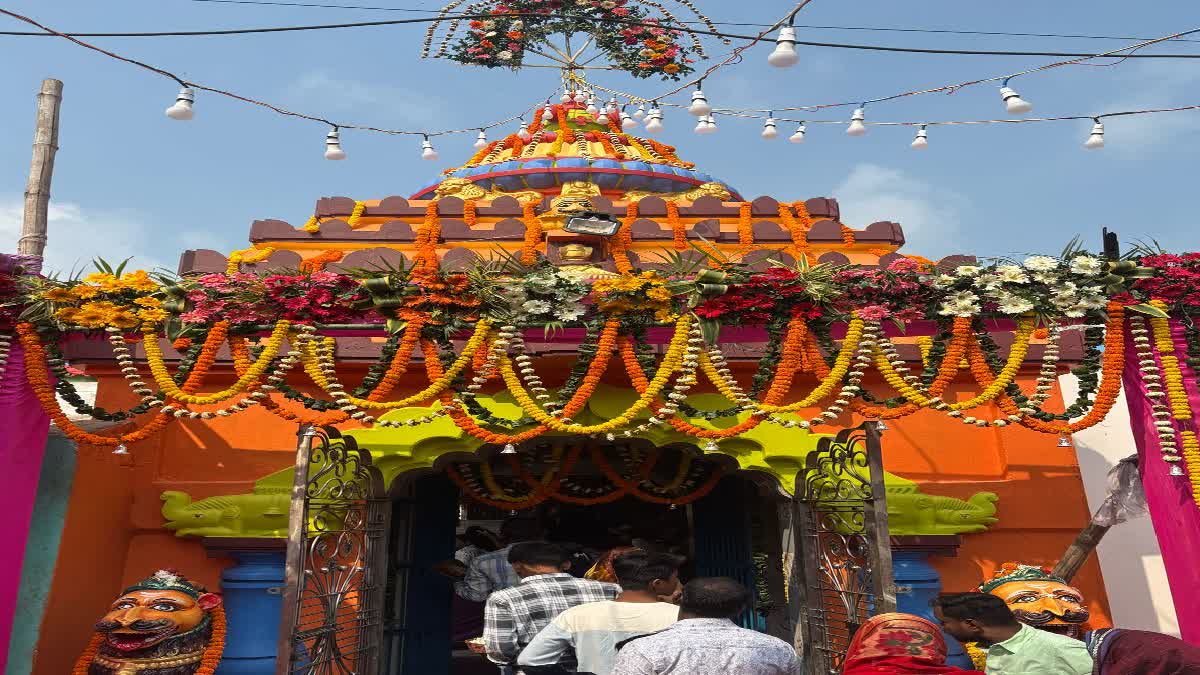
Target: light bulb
column 654, row 122
column 1063, row 441
column 333, row 148
column 427, row 151
column 627, row 122
column 710, row 125
column 1013, row 102
column 580, row 97
column 591, row 106
column 785, row 49
column 699, row 106
column 797, row 137
column 770, row 129
column 121, row 449
column 547, row 114
column 921, row 142
column 182, row 109
column 1095, row 140
column 509, row 449
column 566, row 97
column 640, row 112
column 524, row 134
column 857, row 128
column 481, row 141
column 701, row 125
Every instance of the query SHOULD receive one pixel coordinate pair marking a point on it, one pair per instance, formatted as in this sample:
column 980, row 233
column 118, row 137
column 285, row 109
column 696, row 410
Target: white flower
column 570, row 312
column 1086, row 265
column 962, row 303
column 536, row 306
column 1012, row 274
column 1048, row 278
column 1041, row 263
column 1015, row 305
column 1093, row 301
column 505, row 55
column 518, row 25
column 541, row 284
column 988, row 282
column 1075, row 313
column 944, row 281
column 489, row 24
column 966, row 271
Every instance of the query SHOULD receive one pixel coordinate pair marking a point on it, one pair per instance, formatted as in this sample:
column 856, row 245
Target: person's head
column 975, row 617
column 713, row 598
column 538, row 557
column 481, row 538
column 653, row 573
column 521, row 529
column 893, row 635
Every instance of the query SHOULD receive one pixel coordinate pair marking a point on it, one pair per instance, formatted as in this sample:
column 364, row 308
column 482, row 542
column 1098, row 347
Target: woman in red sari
column 899, row 644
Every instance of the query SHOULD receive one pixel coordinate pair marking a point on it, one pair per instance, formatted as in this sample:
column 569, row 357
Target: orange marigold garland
column 745, row 227
column 533, row 232
column 469, row 212
column 425, row 261
column 318, row 262
column 848, row 236
column 678, row 229
column 798, row 226
column 400, row 360
column 209, row 659
column 624, row 239
column 84, row 663
column 240, row 353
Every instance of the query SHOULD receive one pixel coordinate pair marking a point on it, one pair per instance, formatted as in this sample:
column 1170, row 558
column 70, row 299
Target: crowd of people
column 629, row 614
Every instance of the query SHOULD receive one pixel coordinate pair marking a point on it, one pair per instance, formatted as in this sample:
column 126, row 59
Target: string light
column 857, row 128
column 182, row 108
column 481, row 141
column 709, row 125
column 798, row 137
column 591, row 105
column 640, row 112
column 654, row 121
column 580, row 97
column 784, row 55
column 566, row 97
column 770, row 129
column 700, row 106
column 1095, row 140
column 1013, row 103
column 524, row 134
column 627, row 122
column 427, row 152
column 921, row 142
column 333, row 148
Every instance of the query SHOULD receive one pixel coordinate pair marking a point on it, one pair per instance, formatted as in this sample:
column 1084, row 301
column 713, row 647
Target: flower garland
column 39, row 381
column 470, row 216
column 892, row 372
column 1148, row 366
column 240, row 353
column 624, row 239
column 849, row 238
column 1177, row 400
column 533, row 232
column 745, row 227
column 158, row 368
column 425, row 261
column 83, row 664
column 632, row 486
column 670, row 363
column 797, row 226
column 313, row 224
column 1189, row 443
column 356, row 214
column 400, row 360
column 318, row 262
column 678, row 229
column 1016, row 357
column 247, row 255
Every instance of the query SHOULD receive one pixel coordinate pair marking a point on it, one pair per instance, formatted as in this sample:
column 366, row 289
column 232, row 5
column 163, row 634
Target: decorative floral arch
column 516, row 28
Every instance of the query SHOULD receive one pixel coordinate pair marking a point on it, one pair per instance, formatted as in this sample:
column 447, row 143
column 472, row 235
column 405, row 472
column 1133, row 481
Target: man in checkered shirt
column 514, row 615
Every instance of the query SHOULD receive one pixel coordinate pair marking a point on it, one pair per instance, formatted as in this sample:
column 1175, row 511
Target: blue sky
column 130, row 182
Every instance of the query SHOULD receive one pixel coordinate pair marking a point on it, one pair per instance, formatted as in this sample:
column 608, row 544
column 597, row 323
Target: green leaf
column 710, row 329
column 1149, row 310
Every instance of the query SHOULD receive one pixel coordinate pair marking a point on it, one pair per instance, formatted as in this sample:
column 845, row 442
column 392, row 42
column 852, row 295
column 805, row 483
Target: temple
column 575, row 192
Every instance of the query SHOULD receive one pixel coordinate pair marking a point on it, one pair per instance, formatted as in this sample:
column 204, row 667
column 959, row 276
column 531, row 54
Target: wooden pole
column 37, row 193
column 1079, row 551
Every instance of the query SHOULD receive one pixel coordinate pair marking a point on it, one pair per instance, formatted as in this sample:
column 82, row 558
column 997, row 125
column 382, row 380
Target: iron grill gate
column 844, row 570
column 336, row 560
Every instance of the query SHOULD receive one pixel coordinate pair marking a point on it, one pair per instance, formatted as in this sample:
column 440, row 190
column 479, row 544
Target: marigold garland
column 239, row 352
column 84, row 663
column 848, row 236
column 960, row 336
column 247, row 255
column 158, row 368
column 425, row 261
column 797, row 226
column 356, row 214
column 1016, row 357
column 632, row 487
column 835, row 374
column 533, row 232
column 319, row 261
column 1177, row 397
column 313, row 224
column 624, row 239
column 216, row 644
column 470, row 213
column 678, row 229
column 745, row 227
column 400, row 360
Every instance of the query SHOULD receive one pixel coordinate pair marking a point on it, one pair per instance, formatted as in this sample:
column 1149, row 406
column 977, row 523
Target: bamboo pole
column 37, row 192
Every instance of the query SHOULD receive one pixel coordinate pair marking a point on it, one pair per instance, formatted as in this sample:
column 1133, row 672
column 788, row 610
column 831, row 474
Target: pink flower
column 874, row 312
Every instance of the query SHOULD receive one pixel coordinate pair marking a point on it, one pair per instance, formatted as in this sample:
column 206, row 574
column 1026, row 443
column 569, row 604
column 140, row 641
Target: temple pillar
column 252, row 592
column 918, row 583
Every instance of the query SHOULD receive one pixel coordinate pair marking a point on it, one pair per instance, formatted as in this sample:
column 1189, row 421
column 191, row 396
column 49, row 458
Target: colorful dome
column 577, row 146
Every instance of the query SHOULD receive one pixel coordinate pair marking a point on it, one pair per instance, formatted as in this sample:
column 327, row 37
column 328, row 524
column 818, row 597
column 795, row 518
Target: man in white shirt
column 592, row 631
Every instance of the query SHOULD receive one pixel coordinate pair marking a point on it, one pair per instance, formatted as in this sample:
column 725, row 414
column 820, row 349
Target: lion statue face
column 1039, row 599
column 142, row 619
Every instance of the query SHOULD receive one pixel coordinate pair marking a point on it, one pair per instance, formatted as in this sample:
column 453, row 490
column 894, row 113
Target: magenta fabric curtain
column 1174, row 513
column 23, row 429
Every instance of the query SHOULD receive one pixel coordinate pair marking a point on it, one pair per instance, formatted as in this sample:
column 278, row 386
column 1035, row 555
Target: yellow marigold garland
column 670, row 363
column 313, row 224
column 247, row 255
column 1177, row 398
column 356, row 214
column 154, row 358
column 332, row 387
column 1016, row 357
column 841, row 365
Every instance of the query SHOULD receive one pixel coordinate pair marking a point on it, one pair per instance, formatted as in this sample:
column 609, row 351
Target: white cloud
column 76, row 235
column 929, row 215
column 1149, row 86
column 332, row 92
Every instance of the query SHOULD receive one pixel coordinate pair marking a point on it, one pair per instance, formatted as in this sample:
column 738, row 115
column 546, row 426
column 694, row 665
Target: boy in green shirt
column 1013, row 648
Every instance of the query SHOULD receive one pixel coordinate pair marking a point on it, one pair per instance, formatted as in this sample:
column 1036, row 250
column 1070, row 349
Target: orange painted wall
column 113, row 533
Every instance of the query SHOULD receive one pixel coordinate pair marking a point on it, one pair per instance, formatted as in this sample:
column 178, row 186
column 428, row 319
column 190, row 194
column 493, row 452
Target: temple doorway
column 601, row 495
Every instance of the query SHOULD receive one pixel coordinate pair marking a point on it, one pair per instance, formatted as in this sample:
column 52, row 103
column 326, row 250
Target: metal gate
column 336, row 559
column 843, row 571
